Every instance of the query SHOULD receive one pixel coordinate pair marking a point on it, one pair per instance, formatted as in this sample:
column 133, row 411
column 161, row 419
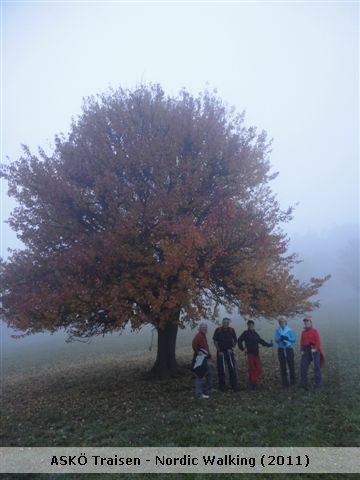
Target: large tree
column 152, row 210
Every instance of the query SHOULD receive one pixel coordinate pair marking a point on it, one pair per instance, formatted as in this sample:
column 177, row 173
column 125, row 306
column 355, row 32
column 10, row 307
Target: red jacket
column 200, row 344
column 312, row 337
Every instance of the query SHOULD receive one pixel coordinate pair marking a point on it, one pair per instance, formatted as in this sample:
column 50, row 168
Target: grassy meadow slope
column 99, row 395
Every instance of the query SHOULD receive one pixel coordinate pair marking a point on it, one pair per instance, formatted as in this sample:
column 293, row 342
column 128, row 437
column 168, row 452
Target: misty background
column 293, row 67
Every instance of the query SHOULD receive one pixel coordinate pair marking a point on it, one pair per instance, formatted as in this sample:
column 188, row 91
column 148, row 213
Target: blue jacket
column 288, row 332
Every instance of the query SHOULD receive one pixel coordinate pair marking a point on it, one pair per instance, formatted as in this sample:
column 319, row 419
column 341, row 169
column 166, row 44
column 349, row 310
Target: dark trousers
column 306, row 359
column 226, row 359
column 287, row 366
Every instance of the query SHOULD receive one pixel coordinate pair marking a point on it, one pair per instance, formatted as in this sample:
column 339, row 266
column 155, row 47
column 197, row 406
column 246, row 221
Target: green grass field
column 99, row 395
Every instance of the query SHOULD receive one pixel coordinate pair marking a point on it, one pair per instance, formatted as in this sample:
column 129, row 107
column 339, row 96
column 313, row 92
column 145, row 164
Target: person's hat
column 307, row 319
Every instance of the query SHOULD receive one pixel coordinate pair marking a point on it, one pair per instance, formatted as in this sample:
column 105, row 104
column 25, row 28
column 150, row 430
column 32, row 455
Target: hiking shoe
column 204, row 396
column 212, row 390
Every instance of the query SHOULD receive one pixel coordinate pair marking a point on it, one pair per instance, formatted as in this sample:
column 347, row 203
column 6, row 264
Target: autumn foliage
column 152, row 210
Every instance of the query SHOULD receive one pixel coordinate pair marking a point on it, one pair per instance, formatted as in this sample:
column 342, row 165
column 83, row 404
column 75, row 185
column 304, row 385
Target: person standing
column 225, row 340
column 311, row 352
column 252, row 339
column 285, row 339
column 201, row 364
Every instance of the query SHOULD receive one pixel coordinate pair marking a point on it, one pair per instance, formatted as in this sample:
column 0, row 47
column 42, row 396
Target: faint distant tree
column 349, row 264
column 153, row 210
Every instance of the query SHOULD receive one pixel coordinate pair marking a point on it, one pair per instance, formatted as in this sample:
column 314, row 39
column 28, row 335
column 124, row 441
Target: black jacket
column 225, row 338
column 252, row 340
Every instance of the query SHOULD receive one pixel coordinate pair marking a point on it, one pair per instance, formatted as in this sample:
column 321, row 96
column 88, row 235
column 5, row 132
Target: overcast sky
column 293, row 67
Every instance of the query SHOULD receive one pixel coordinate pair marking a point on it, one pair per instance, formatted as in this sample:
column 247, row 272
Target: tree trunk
column 165, row 365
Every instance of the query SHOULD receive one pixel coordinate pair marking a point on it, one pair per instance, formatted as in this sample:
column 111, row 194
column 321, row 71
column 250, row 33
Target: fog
column 293, row 67
column 335, row 251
